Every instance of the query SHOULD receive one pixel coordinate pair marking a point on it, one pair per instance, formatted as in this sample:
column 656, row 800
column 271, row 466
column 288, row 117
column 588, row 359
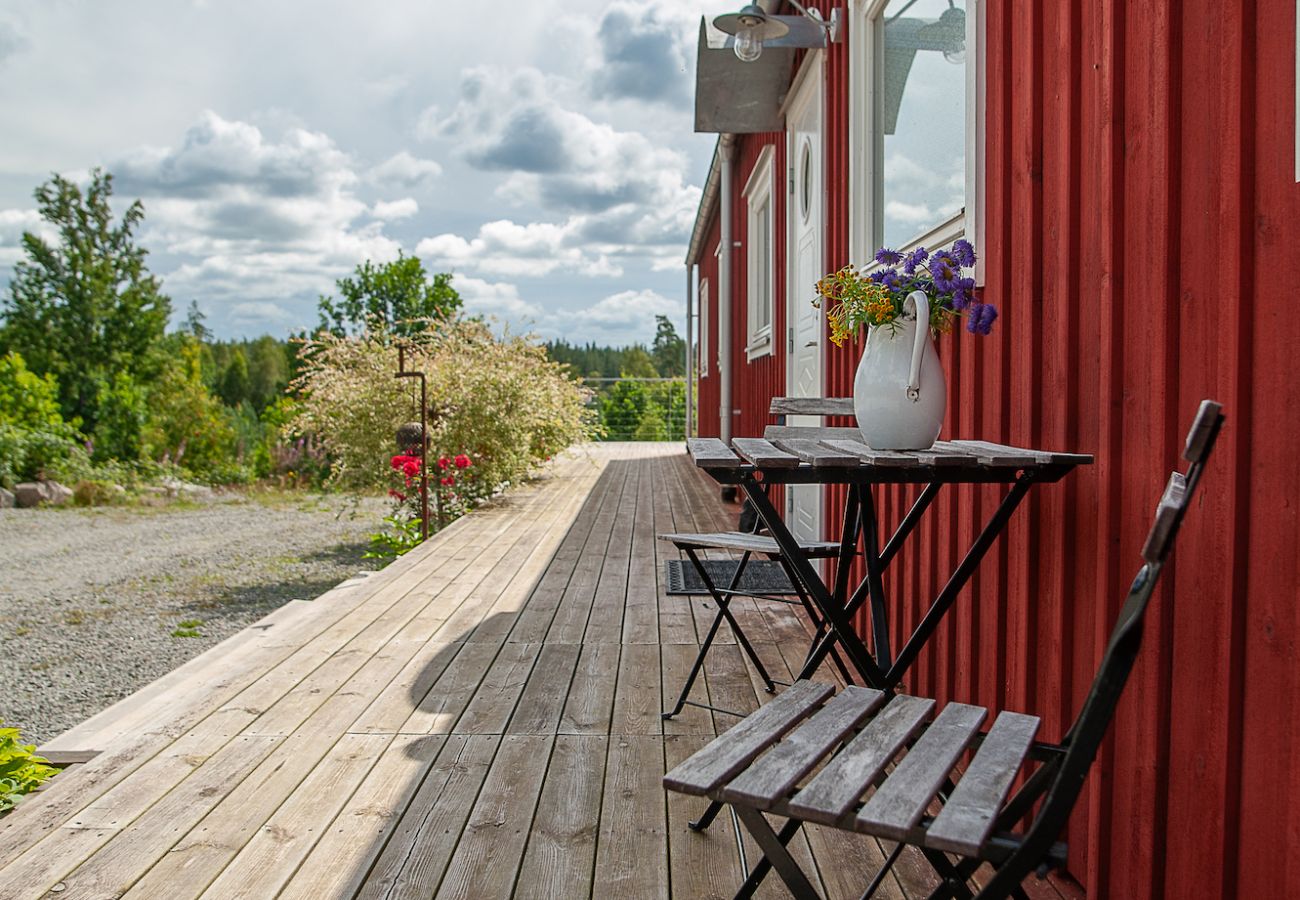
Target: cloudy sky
column 541, row 150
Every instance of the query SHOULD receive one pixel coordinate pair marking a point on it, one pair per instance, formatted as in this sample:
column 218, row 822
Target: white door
column 805, row 329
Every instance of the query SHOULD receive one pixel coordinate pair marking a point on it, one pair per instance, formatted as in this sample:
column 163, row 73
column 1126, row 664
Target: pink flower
column 463, row 461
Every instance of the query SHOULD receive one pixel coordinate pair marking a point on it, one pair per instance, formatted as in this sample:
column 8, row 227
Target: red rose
column 411, row 468
column 462, row 461
column 443, row 462
column 397, row 495
column 449, row 479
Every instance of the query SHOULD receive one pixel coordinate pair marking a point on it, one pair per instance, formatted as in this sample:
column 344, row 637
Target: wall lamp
column 751, row 27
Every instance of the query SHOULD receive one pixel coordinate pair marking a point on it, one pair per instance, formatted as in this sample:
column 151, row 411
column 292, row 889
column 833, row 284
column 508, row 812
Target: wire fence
column 640, row 409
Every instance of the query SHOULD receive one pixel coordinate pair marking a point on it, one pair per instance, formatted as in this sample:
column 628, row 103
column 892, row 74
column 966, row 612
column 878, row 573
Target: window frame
column 760, row 203
column 702, row 357
column 866, row 162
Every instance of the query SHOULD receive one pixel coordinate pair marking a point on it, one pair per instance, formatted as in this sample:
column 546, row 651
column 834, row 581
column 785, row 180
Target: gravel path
column 92, row 601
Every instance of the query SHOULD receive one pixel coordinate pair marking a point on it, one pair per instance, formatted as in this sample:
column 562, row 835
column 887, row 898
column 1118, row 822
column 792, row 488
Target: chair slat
column 964, row 823
column 764, row 453
column 711, row 453
column 816, row 453
column 1203, row 428
column 811, row 406
column 773, row 775
column 742, row 541
column 900, row 801
column 728, row 753
column 836, row 788
column 1172, row 503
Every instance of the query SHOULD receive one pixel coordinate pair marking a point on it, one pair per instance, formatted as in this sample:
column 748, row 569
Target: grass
column 188, row 628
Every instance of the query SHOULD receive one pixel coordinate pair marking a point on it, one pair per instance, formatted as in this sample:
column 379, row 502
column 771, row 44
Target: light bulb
column 748, row 46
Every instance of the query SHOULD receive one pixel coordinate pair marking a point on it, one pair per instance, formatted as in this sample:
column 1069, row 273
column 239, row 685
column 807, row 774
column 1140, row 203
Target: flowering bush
column 21, row 770
column 497, row 407
column 876, row 299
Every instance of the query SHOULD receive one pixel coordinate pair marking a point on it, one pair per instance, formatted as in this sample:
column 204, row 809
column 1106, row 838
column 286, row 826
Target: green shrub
column 499, row 401
column 95, row 493
column 186, row 425
column 26, row 454
column 21, row 771
column 27, row 400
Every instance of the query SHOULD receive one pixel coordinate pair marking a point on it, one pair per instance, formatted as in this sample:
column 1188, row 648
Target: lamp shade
column 752, row 18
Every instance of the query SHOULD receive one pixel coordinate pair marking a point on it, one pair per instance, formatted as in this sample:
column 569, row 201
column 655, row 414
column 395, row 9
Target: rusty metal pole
column 424, row 439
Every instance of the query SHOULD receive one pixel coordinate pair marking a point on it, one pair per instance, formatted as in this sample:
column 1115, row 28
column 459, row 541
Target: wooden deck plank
column 562, row 842
column 701, row 864
column 270, row 858
column 338, row 864
column 641, row 609
column 590, row 703
column 542, row 702
column 638, row 701
column 413, row 861
column 676, row 624
column 632, row 847
column 491, row 847
column 494, row 701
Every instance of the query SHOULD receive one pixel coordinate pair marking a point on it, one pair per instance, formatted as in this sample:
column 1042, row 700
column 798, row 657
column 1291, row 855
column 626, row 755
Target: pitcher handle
column 922, row 305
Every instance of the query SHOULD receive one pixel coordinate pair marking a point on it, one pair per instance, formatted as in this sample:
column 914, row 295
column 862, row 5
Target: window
column 916, row 104
column 703, row 355
column 760, row 275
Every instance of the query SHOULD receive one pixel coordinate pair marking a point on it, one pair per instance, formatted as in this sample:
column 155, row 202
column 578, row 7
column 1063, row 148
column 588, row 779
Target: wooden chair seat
column 764, row 763
column 746, row 542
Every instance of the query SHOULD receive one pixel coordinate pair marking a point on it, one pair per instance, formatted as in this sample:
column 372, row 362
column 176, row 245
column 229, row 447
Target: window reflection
column 922, row 116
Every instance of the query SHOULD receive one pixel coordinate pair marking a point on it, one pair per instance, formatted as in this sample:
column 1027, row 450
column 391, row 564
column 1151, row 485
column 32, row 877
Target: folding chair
column 851, row 743
column 747, row 543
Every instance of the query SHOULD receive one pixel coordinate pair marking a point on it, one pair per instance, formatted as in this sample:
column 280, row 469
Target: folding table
column 825, row 456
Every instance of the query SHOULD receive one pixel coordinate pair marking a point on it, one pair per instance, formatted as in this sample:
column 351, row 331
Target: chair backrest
column 1089, row 729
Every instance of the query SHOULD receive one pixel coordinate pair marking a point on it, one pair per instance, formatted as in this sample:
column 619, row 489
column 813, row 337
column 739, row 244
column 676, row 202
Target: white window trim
column 703, row 356
column 757, row 190
column 865, row 162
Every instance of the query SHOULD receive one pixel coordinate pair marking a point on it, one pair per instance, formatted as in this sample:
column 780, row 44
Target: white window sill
column 759, row 345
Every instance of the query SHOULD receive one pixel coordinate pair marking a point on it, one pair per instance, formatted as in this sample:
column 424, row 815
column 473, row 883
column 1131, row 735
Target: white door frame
column 806, row 94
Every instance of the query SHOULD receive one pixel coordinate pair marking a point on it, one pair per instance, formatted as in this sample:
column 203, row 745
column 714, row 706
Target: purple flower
column 980, row 318
column 889, row 278
column 914, row 259
column 963, row 252
column 876, row 277
column 887, row 257
column 964, row 294
column 946, row 272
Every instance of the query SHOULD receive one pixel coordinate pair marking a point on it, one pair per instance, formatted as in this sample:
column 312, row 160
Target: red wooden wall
column 1141, row 237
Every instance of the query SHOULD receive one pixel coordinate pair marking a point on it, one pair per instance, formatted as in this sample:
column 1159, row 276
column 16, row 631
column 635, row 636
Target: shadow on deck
column 481, row 719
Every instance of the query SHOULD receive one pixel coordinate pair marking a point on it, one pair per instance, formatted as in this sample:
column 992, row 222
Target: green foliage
column 395, row 297
column 188, row 628
column 590, row 360
column 93, row 492
column 186, row 425
column 401, row 533
column 643, row 410
column 21, row 770
column 123, row 408
column 84, row 307
column 234, row 387
column 669, row 350
column 27, row 400
column 498, row 400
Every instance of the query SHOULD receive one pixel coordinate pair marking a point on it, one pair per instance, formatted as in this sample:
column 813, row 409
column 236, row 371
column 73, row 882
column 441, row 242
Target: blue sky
column 542, row 151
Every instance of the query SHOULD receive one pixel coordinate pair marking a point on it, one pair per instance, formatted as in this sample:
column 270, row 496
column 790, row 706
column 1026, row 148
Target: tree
column 194, row 319
column 234, row 387
column 638, row 364
column 669, row 350
column 85, row 308
column 394, row 295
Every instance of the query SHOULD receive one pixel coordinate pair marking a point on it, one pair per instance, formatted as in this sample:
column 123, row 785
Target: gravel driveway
column 94, row 604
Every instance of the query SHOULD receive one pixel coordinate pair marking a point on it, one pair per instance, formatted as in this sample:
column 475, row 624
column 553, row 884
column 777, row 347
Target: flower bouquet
column 876, row 299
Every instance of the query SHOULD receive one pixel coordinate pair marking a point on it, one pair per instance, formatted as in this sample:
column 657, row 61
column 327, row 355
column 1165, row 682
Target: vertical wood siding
column 1141, row 231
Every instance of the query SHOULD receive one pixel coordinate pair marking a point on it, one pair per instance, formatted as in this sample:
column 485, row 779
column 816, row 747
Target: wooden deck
column 479, row 720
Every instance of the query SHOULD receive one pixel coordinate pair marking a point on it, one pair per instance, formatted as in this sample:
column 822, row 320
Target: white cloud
column 395, row 209
column 909, row 213
column 628, row 315
column 13, row 222
column 499, row 298
column 512, row 250
column 404, row 170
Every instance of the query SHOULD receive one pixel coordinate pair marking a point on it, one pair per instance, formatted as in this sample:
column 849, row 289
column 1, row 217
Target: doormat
column 761, row 576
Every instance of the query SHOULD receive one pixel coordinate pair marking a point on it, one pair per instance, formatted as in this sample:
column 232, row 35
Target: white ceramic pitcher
column 899, row 393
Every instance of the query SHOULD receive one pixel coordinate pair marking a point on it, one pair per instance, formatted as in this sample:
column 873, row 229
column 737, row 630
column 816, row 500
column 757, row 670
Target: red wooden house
column 1128, row 173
